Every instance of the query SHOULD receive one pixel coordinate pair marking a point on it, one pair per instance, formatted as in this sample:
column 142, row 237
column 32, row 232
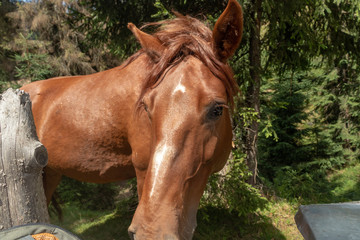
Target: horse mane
column 184, row 36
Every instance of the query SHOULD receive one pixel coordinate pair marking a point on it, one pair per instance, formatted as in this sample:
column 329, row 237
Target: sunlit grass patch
column 281, row 212
column 94, row 225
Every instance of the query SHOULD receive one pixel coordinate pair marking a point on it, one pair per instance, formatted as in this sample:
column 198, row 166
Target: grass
column 94, row 225
column 281, row 213
column 276, row 222
column 220, row 224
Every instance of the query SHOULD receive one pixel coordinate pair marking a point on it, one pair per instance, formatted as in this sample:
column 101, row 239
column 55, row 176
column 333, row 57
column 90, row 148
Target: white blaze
column 180, row 87
column 162, row 158
column 165, row 150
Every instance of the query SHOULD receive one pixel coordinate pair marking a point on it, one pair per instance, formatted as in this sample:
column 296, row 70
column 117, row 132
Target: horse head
column 187, row 99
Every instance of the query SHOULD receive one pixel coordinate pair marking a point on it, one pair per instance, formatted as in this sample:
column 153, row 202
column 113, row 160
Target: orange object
column 44, row 236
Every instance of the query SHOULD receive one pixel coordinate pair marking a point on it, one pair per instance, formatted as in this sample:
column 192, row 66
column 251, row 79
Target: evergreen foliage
column 6, row 32
column 314, row 133
column 285, row 106
column 105, row 22
column 44, row 45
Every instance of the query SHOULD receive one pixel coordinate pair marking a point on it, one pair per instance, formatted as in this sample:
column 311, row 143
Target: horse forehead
column 192, row 75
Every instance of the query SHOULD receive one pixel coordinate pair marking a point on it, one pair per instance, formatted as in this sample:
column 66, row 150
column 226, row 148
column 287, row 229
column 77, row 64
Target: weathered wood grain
column 22, row 158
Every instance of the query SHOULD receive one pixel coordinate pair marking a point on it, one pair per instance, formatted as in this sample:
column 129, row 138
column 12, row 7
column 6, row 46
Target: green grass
column 94, row 225
column 212, row 224
column 276, row 222
column 216, row 223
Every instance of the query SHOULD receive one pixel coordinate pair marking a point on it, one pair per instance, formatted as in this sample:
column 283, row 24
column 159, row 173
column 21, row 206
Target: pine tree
column 46, row 46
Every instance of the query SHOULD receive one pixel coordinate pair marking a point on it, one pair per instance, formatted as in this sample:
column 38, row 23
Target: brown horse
column 162, row 116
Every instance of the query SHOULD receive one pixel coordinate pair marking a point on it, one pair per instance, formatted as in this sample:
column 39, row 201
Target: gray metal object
column 24, row 232
column 339, row 221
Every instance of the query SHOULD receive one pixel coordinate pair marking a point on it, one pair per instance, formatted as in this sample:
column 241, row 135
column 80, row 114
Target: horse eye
column 215, row 112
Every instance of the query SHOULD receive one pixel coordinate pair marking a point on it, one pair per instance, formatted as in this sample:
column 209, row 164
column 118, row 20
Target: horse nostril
column 132, row 235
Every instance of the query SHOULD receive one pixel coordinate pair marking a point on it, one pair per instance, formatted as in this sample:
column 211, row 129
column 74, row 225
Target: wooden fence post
column 22, row 158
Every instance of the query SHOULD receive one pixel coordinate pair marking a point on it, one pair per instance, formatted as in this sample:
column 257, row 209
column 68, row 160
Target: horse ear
column 152, row 46
column 227, row 32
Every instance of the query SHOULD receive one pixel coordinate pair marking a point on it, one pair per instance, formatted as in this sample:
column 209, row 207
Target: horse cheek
column 210, row 147
column 223, row 145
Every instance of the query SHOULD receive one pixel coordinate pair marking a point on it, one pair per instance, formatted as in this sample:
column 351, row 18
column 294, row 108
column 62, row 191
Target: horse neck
column 129, row 78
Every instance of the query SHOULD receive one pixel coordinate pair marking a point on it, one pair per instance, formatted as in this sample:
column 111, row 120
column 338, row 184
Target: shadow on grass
column 214, row 223
column 114, row 226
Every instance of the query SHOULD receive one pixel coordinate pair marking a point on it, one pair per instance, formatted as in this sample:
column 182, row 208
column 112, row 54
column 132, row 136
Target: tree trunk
column 253, row 90
column 22, row 158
